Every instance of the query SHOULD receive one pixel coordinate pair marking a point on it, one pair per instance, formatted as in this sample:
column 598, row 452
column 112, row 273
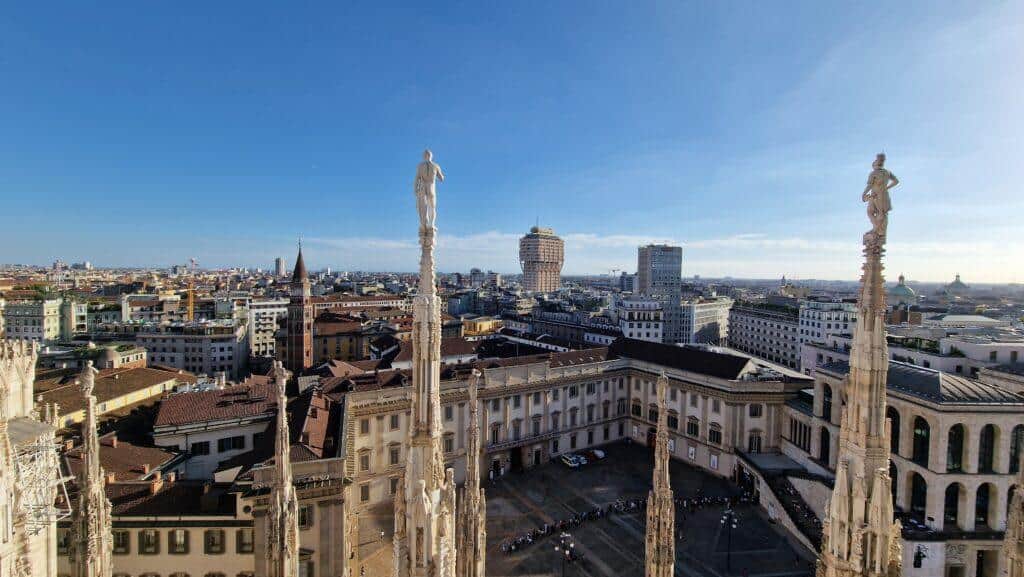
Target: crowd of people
column 684, row 505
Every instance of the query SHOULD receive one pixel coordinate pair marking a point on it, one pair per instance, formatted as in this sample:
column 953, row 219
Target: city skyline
column 746, row 155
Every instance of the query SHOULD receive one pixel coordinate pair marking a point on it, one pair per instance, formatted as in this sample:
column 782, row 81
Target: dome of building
column 901, row 294
column 956, row 287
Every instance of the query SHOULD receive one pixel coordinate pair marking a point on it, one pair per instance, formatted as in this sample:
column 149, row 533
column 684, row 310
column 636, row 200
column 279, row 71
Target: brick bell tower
column 300, row 320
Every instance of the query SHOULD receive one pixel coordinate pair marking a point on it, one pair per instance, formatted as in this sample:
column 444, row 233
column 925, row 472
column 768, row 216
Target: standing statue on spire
column 876, row 194
column 427, row 173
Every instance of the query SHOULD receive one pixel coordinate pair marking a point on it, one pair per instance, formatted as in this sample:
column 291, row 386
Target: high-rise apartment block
column 541, row 255
column 659, row 275
column 279, row 270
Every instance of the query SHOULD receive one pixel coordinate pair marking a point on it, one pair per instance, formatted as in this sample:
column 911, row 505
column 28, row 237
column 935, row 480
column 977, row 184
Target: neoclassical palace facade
column 535, row 408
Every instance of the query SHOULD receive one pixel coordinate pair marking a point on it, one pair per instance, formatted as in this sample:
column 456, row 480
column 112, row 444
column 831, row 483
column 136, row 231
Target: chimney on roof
column 110, row 441
column 142, row 468
column 155, row 485
column 171, row 477
column 111, row 478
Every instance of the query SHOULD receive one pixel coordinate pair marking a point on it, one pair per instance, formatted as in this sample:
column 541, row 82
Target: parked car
column 595, row 454
column 572, row 461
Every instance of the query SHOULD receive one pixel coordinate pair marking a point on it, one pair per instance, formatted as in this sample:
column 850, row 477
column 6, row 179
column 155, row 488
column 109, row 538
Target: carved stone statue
column 876, row 194
column 425, row 187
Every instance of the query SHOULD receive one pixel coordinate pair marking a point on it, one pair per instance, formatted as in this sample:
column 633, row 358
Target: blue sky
column 147, row 133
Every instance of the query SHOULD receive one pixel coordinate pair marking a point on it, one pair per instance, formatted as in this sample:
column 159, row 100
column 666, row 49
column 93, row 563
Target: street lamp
column 729, row 522
column 565, row 548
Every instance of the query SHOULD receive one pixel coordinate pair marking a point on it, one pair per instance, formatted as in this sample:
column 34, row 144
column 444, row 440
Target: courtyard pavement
column 614, row 545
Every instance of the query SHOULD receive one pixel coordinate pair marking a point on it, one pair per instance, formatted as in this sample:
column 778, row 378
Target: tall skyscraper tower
column 659, row 275
column 858, row 536
column 299, row 355
column 541, row 254
column 279, row 267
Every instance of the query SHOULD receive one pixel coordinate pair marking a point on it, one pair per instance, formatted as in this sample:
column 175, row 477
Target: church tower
column 282, row 528
column 300, row 320
column 661, row 510
column 471, row 536
column 425, row 499
column 91, row 545
column 859, row 536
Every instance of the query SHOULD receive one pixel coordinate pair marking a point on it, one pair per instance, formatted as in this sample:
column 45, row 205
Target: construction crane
column 191, row 315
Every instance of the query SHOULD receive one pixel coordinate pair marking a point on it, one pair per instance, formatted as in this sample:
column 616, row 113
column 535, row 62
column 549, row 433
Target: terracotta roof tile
column 229, row 403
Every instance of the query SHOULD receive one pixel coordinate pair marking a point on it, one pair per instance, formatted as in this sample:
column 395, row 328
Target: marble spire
column 471, row 536
column 859, row 536
column 91, row 543
column 425, row 499
column 1013, row 540
column 283, row 511
column 661, row 511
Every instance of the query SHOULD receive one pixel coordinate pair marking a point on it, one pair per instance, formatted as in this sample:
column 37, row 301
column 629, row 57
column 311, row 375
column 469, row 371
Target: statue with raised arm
column 425, row 187
column 876, row 194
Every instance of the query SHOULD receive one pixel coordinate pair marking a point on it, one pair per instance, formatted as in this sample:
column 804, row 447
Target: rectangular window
column 177, row 542
column 496, row 405
column 693, row 399
column 554, row 446
column 716, row 406
column 574, row 392
column 554, row 395
column 364, row 493
column 449, row 412
column 230, row 444
column 590, row 388
column 393, row 485
column 149, row 542
column 395, row 420
column 305, row 517
column 394, row 455
column 364, row 426
column 449, row 443
column 364, row 462
column 517, row 401
column 572, row 441
column 201, row 448
column 213, row 541
column 122, row 541
column 244, row 541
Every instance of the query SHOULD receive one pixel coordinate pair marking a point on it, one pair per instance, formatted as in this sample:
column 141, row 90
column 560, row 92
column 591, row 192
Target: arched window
column 715, row 434
column 894, row 429
column 824, row 446
column 673, row 420
column 922, row 438
column 826, row 402
column 1016, row 446
column 951, row 511
column 986, row 449
column 983, row 502
column 955, row 449
column 918, row 495
column 692, row 426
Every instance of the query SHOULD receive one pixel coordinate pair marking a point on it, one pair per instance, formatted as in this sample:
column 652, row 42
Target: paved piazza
column 612, row 546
